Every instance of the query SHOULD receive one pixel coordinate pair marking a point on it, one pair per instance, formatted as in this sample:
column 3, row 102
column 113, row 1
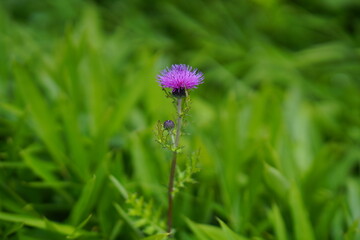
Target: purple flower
column 180, row 77
column 169, row 124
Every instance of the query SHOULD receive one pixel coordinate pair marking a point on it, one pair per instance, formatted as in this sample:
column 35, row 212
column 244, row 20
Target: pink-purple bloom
column 169, row 124
column 180, row 77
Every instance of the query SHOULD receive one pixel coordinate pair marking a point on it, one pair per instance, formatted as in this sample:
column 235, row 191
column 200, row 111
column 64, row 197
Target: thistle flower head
column 169, row 124
column 180, row 77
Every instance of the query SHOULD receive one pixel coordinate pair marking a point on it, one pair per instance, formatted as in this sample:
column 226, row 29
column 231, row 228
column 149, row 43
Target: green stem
column 173, row 164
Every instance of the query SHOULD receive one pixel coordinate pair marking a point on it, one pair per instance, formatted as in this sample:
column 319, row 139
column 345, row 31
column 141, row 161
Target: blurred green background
column 277, row 120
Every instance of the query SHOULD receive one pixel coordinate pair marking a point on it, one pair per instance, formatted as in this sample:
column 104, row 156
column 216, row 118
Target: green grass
column 277, row 120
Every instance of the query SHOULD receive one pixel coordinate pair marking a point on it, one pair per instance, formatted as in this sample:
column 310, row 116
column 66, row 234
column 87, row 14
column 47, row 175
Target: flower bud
column 168, row 124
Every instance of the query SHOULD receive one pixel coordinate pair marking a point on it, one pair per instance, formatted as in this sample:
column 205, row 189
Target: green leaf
column 127, row 219
column 119, row 187
column 13, row 229
column 230, row 235
column 83, row 204
column 300, row 215
column 208, row 232
column 42, row 224
column 353, row 233
column 205, row 232
column 43, row 169
column 161, row 236
column 353, row 188
column 74, row 235
column 278, row 223
column 275, row 180
column 41, row 114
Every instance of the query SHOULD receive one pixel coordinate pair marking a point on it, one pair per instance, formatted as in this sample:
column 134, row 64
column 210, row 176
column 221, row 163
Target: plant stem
column 173, row 164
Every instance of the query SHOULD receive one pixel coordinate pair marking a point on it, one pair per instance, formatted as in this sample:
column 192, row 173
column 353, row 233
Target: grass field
column 277, row 120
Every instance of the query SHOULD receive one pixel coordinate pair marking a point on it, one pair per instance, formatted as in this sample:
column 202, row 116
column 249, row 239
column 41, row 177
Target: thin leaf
column 161, row 236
